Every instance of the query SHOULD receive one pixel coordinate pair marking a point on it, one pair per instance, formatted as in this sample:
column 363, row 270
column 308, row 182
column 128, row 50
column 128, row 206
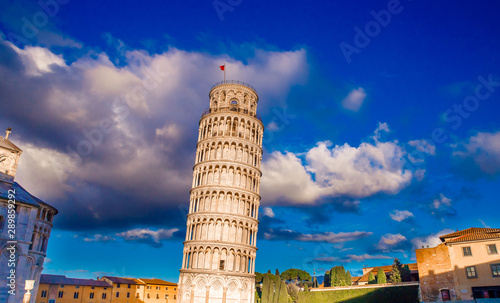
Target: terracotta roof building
column 466, row 265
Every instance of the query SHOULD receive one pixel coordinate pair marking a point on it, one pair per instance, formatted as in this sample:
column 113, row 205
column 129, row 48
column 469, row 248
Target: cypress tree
column 257, row 299
column 306, row 287
column 371, row 278
column 381, row 279
column 349, row 278
column 326, row 281
column 277, row 285
column 265, row 289
column 283, row 296
column 315, row 282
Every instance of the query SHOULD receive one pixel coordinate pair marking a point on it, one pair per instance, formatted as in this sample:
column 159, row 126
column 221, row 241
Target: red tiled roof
column 120, row 280
column 471, row 234
column 62, row 280
column 158, row 282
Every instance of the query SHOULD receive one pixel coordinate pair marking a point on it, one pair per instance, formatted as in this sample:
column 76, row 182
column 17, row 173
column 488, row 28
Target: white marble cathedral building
column 220, row 246
column 23, row 245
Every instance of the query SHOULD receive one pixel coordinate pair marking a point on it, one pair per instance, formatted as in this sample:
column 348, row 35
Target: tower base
column 215, row 288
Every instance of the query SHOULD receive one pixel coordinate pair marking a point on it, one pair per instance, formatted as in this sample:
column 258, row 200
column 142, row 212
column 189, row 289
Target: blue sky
column 381, row 118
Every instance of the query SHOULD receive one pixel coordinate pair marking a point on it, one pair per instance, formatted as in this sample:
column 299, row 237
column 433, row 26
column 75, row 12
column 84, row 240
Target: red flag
column 222, row 67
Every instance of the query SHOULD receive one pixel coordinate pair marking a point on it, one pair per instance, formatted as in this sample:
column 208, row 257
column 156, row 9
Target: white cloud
column 363, row 257
column 99, row 238
column 423, row 146
column 38, row 60
column 484, row 150
column 328, row 237
column 268, row 212
column 335, row 171
column 390, row 241
column 146, row 234
column 431, row 240
column 400, row 215
column 441, row 202
column 354, row 99
column 148, row 143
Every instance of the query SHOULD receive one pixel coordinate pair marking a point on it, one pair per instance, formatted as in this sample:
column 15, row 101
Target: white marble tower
column 220, row 247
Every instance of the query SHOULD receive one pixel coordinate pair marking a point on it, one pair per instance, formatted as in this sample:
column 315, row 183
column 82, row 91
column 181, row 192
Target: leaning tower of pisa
column 220, row 247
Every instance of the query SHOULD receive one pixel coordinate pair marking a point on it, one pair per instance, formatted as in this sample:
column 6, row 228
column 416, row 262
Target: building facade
column 25, row 225
column 107, row 289
column 220, row 246
column 60, row 289
column 465, row 266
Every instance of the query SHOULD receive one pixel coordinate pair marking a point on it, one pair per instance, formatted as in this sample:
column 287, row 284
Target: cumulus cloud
column 326, row 237
column 430, row 240
column 391, row 242
column 354, row 99
column 118, row 141
column 335, row 171
column 400, row 215
column 268, row 212
column 483, row 150
column 148, row 236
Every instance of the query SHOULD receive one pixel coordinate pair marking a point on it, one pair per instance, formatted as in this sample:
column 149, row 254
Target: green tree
column 371, row 278
column 306, row 288
column 283, row 295
column 277, row 285
column 258, row 277
column 315, row 282
column 396, row 271
column 348, row 278
column 266, row 286
column 257, row 298
column 381, row 278
column 405, row 273
column 326, row 280
column 295, row 274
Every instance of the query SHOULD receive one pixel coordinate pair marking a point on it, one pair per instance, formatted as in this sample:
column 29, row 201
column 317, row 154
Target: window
column 148, row 287
column 495, row 270
column 471, row 272
column 221, row 265
column 175, row 289
column 62, row 286
column 128, row 286
column 91, row 295
column 44, row 294
column 492, row 249
column 137, row 295
column 104, row 295
column 75, row 295
column 149, row 297
column 175, row 297
column 157, row 287
column 118, row 285
column 166, row 288
column 92, row 287
column 77, row 287
column 166, row 296
column 60, row 294
column 467, row 251
column 128, row 295
column 157, row 296
column 117, row 294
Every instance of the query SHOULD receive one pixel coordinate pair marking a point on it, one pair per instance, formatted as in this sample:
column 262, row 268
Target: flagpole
column 225, row 73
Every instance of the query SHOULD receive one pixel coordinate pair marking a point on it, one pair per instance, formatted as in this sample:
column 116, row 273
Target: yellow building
column 125, row 290
column 157, row 291
column 60, row 289
column 466, row 265
column 107, row 289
